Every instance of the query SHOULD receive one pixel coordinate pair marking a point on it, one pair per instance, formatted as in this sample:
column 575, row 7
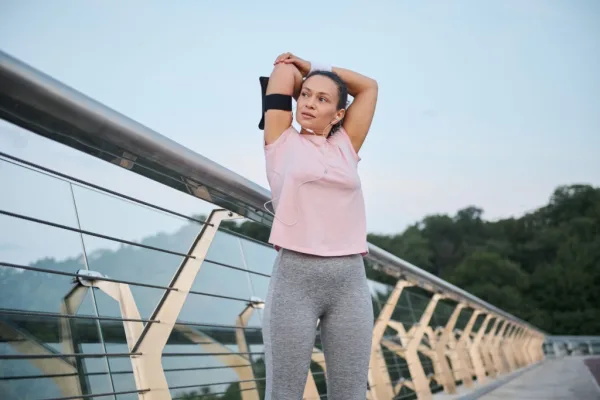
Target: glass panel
column 131, row 221
column 135, row 264
column 479, row 320
column 463, row 318
column 319, row 377
column 379, row 294
column 36, row 335
column 42, row 292
column 130, row 396
column 259, row 258
column 223, row 281
column 185, row 373
column 260, row 285
column 258, row 365
column 229, row 391
column 256, row 321
column 226, row 249
column 254, row 340
column 219, row 280
column 23, row 242
column 213, row 311
column 417, row 302
column 404, row 315
column 145, row 299
column 441, row 315
column 185, row 370
column 29, row 243
column 24, row 190
column 120, row 367
column 393, row 363
column 131, row 263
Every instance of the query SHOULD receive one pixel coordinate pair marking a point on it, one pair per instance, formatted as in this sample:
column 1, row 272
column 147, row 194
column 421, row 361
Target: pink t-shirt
column 316, row 194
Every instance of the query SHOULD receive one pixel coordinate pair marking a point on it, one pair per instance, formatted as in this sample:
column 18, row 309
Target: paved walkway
column 593, row 363
column 565, row 378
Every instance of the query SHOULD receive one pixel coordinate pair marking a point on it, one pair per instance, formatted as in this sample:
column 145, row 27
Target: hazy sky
column 491, row 103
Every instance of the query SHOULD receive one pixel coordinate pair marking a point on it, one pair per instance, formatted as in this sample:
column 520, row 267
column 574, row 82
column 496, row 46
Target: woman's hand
column 288, row 58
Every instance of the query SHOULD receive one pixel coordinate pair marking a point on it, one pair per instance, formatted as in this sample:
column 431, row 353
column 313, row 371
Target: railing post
column 556, row 349
column 537, row 347
column 531, row 344
column 525, row 347
column 240, row 363
column 508, row 348
column 379, row 379
column 148, row 342
column 495, row 348
column 520, row 347
column 431, row 351
column 531, row 347
column 486, row 350
column 534, row 347
column 505, row 349
column 463, row 351
column 248, row 387
column 148, row 366
column 448, row 380
column 476, row 352
column 455, row 353
column 541, row 348
column 420, row 381
column 399, row 349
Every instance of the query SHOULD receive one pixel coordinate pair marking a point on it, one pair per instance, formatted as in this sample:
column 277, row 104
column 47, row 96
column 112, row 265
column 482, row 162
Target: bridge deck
column 565, row 378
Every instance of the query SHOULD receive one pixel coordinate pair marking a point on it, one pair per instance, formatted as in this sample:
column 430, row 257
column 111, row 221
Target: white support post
column 147, row 342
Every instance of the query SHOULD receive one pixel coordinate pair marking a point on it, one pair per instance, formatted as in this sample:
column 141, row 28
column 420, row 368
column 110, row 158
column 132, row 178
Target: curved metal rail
column 41, row 104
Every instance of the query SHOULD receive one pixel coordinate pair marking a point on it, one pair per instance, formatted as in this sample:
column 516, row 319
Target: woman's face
column 317, row 104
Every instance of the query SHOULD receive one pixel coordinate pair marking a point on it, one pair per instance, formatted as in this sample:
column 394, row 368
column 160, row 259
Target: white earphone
column 335, row 121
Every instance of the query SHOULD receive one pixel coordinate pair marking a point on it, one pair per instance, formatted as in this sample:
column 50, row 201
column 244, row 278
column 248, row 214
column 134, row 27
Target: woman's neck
column 303, row 131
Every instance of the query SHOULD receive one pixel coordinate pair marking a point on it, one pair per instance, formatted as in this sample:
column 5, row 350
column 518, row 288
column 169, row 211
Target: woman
column 319, row 228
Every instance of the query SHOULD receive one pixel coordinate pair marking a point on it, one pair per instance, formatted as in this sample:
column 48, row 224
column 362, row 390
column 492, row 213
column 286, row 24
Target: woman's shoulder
column 283, row 139
column 342, row 140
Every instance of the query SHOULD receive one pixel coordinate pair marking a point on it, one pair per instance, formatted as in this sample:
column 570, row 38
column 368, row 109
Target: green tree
column 489, row 276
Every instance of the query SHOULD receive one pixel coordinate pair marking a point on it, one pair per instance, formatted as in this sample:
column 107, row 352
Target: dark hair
column 342, row 93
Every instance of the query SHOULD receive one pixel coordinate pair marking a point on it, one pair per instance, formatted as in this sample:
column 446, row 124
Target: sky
column 486, row 103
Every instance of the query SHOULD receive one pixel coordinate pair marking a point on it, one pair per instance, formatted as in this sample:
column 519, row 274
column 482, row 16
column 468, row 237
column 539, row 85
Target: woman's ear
column 339, row 116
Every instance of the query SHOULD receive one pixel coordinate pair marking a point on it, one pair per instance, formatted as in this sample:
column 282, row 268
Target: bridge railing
column 105, row 295
column 560, row 346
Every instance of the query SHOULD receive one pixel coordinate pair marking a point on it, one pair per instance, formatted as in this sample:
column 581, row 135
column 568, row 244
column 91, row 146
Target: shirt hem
column 330, row 253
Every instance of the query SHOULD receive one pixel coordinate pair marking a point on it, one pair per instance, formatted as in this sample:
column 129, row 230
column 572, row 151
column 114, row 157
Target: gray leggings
column 303, row 289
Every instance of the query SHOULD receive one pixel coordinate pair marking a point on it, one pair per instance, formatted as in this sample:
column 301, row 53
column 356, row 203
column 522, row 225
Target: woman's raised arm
column 359, row 115
column 286, row 80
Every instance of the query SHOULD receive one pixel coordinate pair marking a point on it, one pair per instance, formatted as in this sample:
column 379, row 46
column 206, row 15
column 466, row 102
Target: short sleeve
column 342, row 139
column 281, row 140
column 275, row 153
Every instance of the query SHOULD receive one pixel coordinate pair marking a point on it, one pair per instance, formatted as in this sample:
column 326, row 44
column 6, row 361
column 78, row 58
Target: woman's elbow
column 285, row 79
column 285, row 70
column 373, row 84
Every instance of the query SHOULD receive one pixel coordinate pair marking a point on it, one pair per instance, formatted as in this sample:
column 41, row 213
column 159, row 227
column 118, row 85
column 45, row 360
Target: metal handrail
column 573, row 338
column 37, row 102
